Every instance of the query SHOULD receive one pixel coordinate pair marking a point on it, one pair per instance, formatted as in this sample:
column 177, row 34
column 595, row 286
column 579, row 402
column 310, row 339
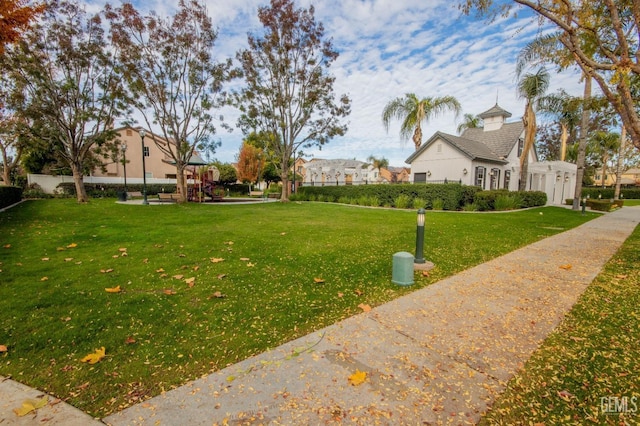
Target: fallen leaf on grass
column 44, row 278
column 621, row 277
column 130, row 340
column 68, row 259
column 358, row 292
column 216, row 295
column 195, row 268
column 565, row 267
column 318, row 280
column 565, row 395
column 216, row 259
column 94, row 357
column 221, row 276
column 3, row 348
column 230, row 243
column 115, row 289
column 190, row 281
column 169, row 291
column 340, row 294
column 160, row 270
column 364, row 307
column 178, row 277
column 44, row 259
column 60, row 249
column 7, row 246
column 122, row 249
column 425, row 273
column 106, row 271
column 72, row 245
column 250, row 265
column 357, row 378
column 29, row 405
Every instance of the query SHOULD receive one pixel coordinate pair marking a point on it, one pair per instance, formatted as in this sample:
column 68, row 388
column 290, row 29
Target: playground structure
column 205, row 185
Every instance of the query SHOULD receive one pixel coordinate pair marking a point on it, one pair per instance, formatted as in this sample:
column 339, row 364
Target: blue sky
column 389, row 48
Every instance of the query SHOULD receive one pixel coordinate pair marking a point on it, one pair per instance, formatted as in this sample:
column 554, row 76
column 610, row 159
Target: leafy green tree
column 531, row 87
column 289, row 91
column 566, row 110
column 602, row 38
column 378, row 163
column 228, row 173
column 413, row 111
column 71, row 85
column 171, row 75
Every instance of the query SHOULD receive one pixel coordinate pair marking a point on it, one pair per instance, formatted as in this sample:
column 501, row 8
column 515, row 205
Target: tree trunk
column 78, row 180
column 417, row 137
column 582, row 142
column 623, row 143
column 603, row 179
column 181, row 182
column 529, row 121
column 563, row 139
column 6, row 175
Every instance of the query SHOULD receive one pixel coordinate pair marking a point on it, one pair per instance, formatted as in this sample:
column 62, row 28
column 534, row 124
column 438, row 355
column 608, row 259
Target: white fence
column 49, row 183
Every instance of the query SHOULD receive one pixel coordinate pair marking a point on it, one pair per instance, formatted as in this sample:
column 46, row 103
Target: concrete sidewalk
column 439, row 355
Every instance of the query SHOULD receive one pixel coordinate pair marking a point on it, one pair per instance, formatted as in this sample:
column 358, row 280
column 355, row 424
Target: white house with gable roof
column 489, row 157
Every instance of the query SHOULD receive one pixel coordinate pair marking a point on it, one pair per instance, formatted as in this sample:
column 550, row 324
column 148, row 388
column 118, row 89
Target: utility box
column 402, row 273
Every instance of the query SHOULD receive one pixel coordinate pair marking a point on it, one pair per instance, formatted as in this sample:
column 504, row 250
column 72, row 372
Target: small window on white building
column 507, row 178
column 439, row 148
column 479, row 178
column 419, row 177
column 495, row 178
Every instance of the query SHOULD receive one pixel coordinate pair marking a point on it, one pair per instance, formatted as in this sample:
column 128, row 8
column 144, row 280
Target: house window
column 507, row 178
column 520, row 146
column 439, row 147
column 494, row 178
column 419, row 178
column 129, row 132
column 146, row 151
column 480, row 173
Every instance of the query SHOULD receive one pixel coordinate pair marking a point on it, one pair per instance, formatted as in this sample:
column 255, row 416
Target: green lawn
column 586, row 371
column 253, row 268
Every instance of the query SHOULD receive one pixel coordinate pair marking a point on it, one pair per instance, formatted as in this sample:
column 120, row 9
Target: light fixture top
column 142, row 133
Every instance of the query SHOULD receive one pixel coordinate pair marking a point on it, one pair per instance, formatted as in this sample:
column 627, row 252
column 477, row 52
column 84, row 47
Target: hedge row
column 96, row 190
column 607, row 193
column 450, row 196
column 9, row 195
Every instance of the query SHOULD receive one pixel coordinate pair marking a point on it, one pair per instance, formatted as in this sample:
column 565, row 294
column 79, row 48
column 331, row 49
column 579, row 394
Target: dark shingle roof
column 471, row 148
column 495, row 111
column 500, row 141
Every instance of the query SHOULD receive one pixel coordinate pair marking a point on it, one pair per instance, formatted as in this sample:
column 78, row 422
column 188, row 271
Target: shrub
column 344, row 200
column 402, row 201
column 35, row 191
column 470, row 207
column 373, row 202
column 99, row 190
column 508, row 202
column 437, row 204
column 419, row 203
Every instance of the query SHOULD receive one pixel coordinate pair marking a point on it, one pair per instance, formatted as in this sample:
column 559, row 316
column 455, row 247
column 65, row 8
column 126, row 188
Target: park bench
column 164, row 196
column 134, row 194
column 256, row 193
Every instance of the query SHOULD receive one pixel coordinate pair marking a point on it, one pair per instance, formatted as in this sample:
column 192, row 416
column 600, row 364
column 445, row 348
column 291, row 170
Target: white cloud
column 391, row 47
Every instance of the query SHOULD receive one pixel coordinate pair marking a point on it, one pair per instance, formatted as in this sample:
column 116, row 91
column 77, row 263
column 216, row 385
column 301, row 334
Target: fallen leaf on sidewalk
column 357, row 378
column 565, row 267
column 29, row 405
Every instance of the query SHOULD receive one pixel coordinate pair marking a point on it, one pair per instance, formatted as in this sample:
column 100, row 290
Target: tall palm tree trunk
column 582, row 142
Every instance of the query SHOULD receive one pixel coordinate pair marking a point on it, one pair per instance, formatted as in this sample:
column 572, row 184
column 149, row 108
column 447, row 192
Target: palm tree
column 606, row 145
column 469, row 121
column 530, row 87
column 378, row 163
column 567, row 110
column 413, row 111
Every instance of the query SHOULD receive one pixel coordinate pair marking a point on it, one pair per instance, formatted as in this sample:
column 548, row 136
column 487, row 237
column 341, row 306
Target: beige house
column 628, row 177
column 157, row 163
